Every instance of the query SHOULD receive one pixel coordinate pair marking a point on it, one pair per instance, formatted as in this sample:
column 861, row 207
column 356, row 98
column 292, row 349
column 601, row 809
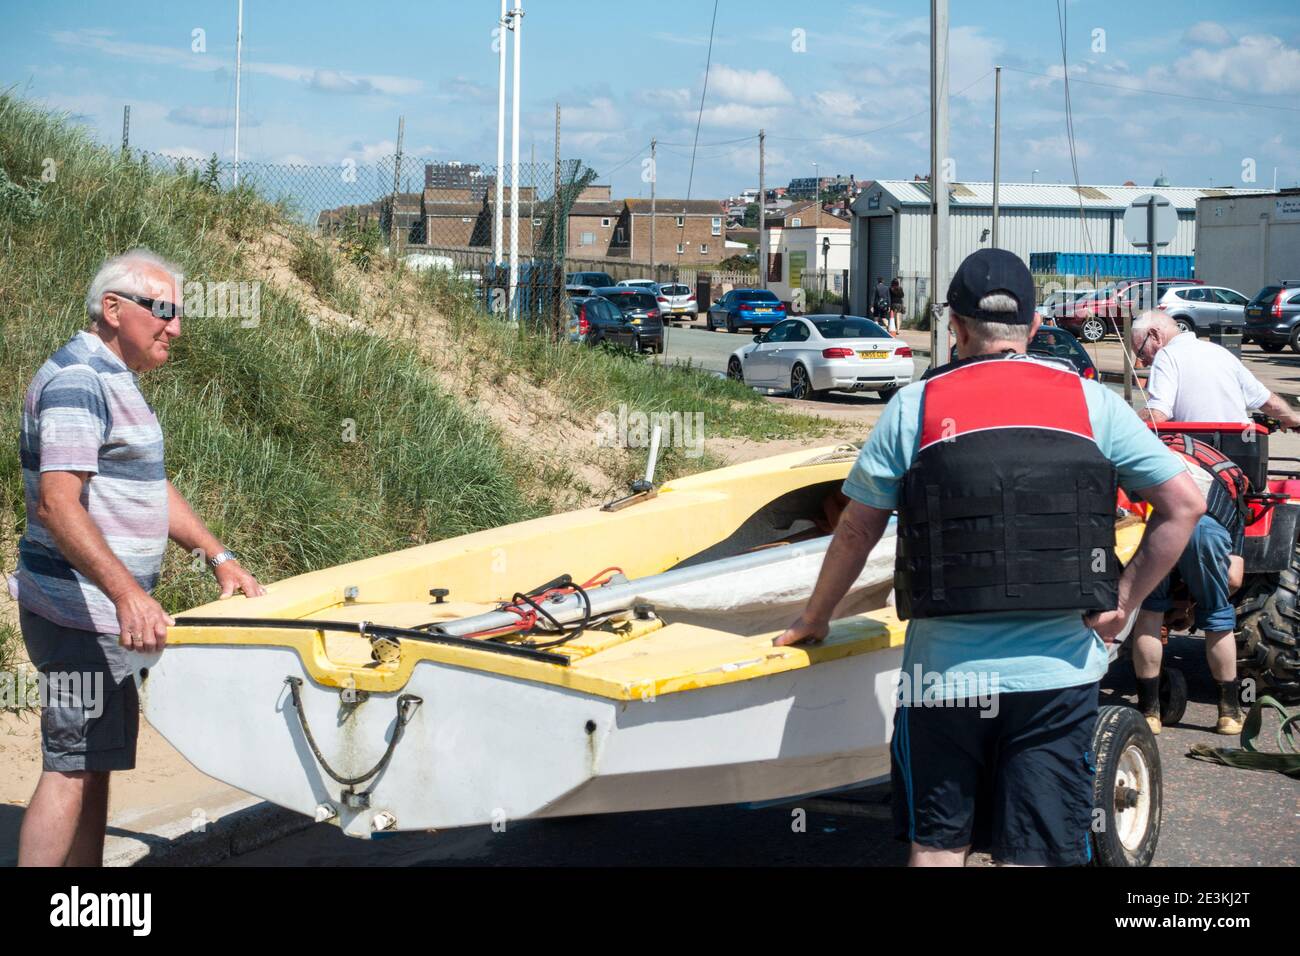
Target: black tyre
column 1173, row 695
column 1268, row 631
column 1092, row 330
column 887, row 393
column 1185, row 324
column 659, row 347
column 1295, row 339
column 1127, row 789
column 731, row 326
column 1272, row 347
column 735, row 371
column 801, row 384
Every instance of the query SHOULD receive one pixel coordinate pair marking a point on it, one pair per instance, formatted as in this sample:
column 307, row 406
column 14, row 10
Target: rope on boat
column 406, row 707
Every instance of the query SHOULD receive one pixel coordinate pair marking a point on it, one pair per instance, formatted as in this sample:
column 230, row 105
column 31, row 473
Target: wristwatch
column 222, row 557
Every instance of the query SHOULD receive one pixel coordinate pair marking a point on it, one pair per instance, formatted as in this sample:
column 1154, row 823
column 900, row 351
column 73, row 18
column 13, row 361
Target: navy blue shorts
column 1016, row 782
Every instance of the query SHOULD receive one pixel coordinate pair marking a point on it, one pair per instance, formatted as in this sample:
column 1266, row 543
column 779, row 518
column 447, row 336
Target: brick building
column 688, row 231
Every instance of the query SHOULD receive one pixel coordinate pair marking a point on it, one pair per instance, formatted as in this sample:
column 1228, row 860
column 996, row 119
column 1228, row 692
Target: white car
column 677, row 301
column 811, row 354
column 648, row 284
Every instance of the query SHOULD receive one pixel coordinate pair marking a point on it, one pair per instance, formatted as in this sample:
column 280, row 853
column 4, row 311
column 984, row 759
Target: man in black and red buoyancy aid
column 1003, row 471
column 1210, row 567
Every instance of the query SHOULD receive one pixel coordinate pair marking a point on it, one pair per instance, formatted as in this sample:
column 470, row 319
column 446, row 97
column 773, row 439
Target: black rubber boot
column 1149, row 695
column 1229, row 707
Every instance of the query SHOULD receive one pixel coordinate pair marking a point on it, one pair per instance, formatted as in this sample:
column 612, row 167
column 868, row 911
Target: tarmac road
column 1212, row 816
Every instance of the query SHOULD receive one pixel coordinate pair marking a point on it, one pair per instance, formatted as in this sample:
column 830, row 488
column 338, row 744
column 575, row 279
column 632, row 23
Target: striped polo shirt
column 84, row 412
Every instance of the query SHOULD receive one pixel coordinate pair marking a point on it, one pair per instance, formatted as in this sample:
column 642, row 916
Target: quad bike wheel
column 1173, row 695
column 1268, row 631
column 1127, row 789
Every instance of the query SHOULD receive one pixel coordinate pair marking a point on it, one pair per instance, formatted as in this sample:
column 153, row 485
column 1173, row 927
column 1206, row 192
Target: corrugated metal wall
column 1023, row 231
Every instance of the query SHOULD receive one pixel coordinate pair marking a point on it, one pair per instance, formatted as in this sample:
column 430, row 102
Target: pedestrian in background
column 895, row 306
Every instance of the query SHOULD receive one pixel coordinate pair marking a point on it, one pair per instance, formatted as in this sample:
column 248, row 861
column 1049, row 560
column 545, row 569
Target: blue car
column 753, row 309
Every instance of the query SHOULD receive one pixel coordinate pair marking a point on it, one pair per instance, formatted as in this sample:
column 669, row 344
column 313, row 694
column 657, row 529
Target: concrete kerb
column 230, row 831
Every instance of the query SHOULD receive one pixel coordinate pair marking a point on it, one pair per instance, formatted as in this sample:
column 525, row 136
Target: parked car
column 1196, row 307
column 1061, row 346
column 642, row 313
column 594, row 319
column 597, row 280
column 581, row 291
column 753, row 308
column 1273, row 317
column 677, row 301
column 812, row 354
column 650, row 285
column 1098, row 313
column 1057, row 303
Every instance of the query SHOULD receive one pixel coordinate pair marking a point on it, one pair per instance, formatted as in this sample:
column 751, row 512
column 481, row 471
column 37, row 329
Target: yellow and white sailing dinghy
column 447, row 686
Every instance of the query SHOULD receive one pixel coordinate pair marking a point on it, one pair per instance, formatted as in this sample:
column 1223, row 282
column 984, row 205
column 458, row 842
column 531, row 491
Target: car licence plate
column 873, row 355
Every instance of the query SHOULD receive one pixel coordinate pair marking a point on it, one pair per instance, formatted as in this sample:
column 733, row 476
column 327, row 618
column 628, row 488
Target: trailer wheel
column 1126, row 789
column 1173, row 695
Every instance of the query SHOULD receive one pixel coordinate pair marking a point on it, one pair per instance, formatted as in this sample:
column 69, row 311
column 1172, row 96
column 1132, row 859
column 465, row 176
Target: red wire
column 528, row 616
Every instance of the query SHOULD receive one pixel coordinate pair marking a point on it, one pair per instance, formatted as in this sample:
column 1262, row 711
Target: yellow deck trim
column 647, row 660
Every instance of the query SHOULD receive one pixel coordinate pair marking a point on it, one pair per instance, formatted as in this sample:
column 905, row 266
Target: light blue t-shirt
column 1008, row 651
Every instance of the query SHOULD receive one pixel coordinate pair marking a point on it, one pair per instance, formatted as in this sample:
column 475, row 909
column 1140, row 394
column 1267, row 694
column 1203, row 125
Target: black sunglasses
column 161, row 308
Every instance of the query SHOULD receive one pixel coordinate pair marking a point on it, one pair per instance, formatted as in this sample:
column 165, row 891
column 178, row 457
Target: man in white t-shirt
column 1193, row 380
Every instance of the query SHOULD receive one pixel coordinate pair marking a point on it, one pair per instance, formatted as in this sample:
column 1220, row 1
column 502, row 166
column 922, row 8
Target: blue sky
column 325, row 81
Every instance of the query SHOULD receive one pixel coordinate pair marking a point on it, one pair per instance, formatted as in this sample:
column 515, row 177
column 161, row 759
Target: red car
column 1102, row 311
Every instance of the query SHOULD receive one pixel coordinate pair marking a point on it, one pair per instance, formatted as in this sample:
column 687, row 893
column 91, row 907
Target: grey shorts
column 90, row 712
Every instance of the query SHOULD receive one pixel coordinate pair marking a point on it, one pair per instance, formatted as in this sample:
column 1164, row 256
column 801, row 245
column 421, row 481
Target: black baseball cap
column 986, row 272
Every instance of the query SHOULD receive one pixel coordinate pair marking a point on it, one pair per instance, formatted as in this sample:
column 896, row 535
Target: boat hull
column 482, row 748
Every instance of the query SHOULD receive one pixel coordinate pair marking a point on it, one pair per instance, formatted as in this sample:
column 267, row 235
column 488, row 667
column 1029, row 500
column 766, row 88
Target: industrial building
column 1248, row 242
column 891, row 226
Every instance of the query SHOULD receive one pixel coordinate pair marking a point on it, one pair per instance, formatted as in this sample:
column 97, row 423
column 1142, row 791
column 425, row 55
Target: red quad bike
column 1127, row 788
column 1268, row 601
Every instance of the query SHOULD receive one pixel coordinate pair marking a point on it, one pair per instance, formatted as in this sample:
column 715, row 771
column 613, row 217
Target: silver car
column 650, row 285
column 1196, row 307
column 811, row 354
column 677, row 301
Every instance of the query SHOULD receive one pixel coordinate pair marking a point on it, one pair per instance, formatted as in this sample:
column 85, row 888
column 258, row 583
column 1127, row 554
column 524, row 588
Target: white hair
column 1153, row 319
column 125, row 273
column 984, row 332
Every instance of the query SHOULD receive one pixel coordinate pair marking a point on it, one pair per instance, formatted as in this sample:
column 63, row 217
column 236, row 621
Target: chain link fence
column 436, row 215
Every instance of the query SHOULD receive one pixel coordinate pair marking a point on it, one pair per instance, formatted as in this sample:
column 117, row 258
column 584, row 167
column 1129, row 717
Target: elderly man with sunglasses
column 99, row 513
column 1193, row 380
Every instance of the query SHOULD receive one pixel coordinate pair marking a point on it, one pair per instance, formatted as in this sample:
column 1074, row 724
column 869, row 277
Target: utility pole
column 938, row 181
column 397, row 171
column 239, row 54
column 502, row 33
column 762, row 213
column 126, row 129
column 654, row 175
column 517, row 24
column 997, row 147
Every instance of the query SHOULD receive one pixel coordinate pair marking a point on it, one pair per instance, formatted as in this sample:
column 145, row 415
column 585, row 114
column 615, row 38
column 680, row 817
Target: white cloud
column 1208, row 33
column 316, row 78
column 209, row 117
column 736, row 116
column 759, row 87
column 1255, row 64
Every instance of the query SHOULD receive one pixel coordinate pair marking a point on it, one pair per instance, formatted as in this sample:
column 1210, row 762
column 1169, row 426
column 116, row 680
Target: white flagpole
column 499, row 179
column 518, row 18
column 239, row 53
